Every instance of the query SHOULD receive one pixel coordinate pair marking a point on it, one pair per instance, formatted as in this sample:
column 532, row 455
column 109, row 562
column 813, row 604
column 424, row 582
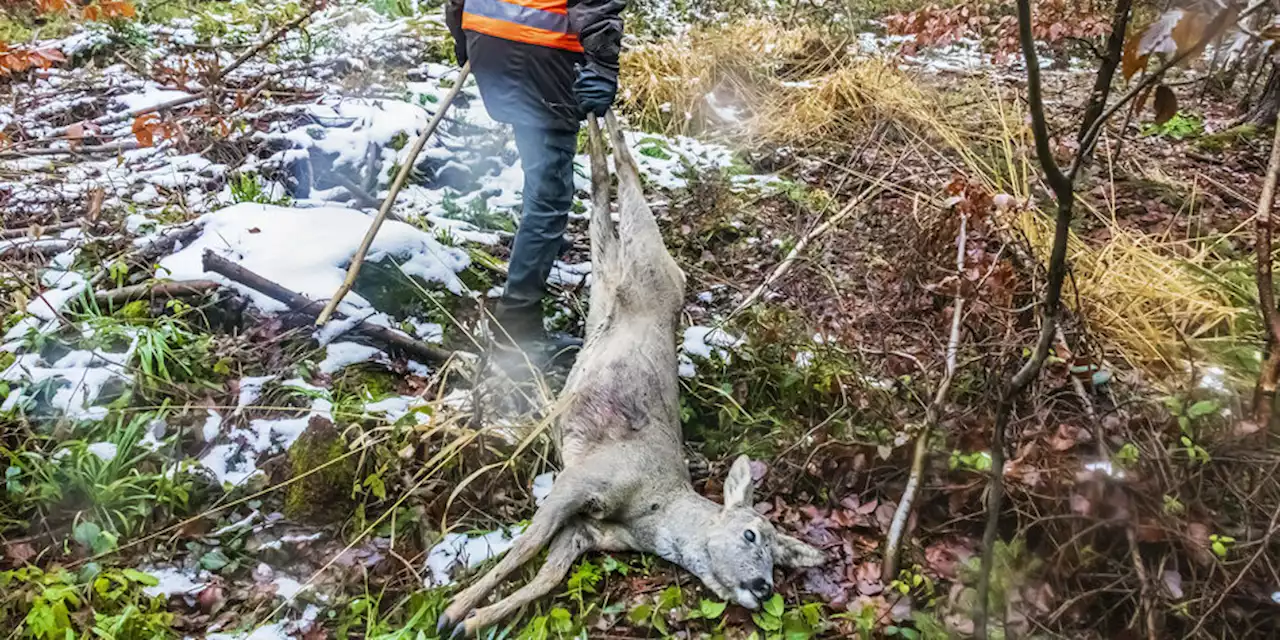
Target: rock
column 455, row 175
column 325, row 496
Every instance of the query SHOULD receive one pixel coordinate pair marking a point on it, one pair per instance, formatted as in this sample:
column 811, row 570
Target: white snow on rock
column 307, row 250
column 340, row 355
column 235, row 459
column 250, row 391
column 80, row 376
column 274, row 631
column 466, row 551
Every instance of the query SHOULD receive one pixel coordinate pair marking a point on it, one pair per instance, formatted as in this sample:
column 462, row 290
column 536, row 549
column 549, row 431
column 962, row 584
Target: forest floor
column 199, row 461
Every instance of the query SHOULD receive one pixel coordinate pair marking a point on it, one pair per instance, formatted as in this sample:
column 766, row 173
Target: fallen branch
column 115, row 147
column 36, row 247
column 154, row 291
column 898, row 526
column 357, row 261
column 299, row 303
column 36, row 230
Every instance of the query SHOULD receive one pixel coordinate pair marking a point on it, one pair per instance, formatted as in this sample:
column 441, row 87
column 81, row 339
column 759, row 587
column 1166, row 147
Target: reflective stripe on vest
column 540, row 22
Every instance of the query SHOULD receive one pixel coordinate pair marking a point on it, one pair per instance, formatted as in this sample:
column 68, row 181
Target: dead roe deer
column 625, row 485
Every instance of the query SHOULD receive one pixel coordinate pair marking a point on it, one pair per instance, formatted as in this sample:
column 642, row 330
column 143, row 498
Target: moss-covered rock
column 324, row 496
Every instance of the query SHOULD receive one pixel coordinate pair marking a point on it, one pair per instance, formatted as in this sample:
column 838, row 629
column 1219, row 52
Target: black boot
column 520, row 327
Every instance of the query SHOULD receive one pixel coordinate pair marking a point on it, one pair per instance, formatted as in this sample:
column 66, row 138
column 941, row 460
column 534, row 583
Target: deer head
column 742, row 546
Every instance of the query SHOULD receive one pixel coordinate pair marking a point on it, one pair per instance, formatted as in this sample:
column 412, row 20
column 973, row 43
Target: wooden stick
column 299, row 303
column 357, row 261
column 115, row 147
column 804, row 243
column 898, row 526
column 39, row 229
column 154, row 290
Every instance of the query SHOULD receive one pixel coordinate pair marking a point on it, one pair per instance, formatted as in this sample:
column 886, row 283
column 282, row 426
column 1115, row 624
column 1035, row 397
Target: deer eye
column 749, row 535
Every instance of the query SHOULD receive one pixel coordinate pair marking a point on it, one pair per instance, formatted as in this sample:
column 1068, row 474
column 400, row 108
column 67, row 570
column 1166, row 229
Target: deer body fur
column 625, row 484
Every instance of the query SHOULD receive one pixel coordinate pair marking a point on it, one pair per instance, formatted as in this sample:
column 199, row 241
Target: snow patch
column 256, row 235
column 467, row 551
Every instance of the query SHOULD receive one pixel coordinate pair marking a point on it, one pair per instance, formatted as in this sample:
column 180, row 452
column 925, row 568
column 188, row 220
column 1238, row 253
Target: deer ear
column 790, row 552
column 738, row 486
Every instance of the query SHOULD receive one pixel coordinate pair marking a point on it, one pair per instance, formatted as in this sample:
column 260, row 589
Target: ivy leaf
column 561, row 621
column 767, row 621
column 214, row 560
column 711, row 609
column 773, row 606
column 640, row 614
column 1202, row 408
column 141, row 578
column 1219, row 549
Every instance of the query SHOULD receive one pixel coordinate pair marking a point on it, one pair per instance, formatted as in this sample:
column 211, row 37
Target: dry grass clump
column 1150, row 299
column 763, row 84
column 838, row 105
column 666, row 83
column 1156, row 303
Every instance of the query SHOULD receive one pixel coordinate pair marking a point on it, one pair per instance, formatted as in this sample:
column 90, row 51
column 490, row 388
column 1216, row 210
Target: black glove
column 595, row 90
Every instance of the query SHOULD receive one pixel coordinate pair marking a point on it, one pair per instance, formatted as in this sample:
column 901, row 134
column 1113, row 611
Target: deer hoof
column 449, row 626
column 446, row 624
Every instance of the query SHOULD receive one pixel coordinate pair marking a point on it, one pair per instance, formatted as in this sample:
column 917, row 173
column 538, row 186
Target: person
column 541, row 66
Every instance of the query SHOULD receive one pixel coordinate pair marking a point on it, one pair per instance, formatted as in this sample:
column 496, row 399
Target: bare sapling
column 1264, row 395
column 625, row 485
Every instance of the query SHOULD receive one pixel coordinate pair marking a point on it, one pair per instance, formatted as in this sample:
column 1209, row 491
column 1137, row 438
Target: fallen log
column 299, row 303
column 154, row 291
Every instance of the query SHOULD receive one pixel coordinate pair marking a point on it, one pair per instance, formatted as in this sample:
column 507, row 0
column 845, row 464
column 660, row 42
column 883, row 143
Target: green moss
column 323, row 496
column 366, row 381
column 1226, row 139
column 389, row 290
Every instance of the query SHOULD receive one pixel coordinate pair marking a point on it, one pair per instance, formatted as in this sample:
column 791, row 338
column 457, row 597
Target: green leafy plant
column 979, row 461
column 1221, row 545
column 777, row 622
column 1179, row 127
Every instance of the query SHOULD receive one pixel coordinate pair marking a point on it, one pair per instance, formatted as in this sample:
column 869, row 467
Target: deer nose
column 760, row 587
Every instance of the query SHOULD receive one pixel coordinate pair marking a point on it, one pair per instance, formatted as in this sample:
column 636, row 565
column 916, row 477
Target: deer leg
column 572, row 492
column 572, row 541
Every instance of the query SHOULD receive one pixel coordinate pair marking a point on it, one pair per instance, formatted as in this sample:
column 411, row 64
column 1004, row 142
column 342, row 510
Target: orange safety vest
column 540, row 22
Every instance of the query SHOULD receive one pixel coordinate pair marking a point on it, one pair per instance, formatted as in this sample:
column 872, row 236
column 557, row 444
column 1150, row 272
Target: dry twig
column 299, row 303
column 898, row 526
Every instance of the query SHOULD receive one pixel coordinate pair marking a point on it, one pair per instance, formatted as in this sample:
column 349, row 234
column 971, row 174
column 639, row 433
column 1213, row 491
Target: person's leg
column 546, row 157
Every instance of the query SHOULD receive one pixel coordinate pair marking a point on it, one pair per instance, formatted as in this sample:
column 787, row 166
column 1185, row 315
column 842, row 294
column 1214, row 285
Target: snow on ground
column 465, row 551
column 704, row 343
column 307, row 250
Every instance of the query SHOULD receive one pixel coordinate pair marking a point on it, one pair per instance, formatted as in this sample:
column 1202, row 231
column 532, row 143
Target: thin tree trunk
column 1264, row 395
column 1264, row 111
column 1107, row 71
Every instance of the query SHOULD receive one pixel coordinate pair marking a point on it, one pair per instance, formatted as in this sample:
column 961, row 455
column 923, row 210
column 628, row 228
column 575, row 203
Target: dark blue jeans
column 547, row 159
